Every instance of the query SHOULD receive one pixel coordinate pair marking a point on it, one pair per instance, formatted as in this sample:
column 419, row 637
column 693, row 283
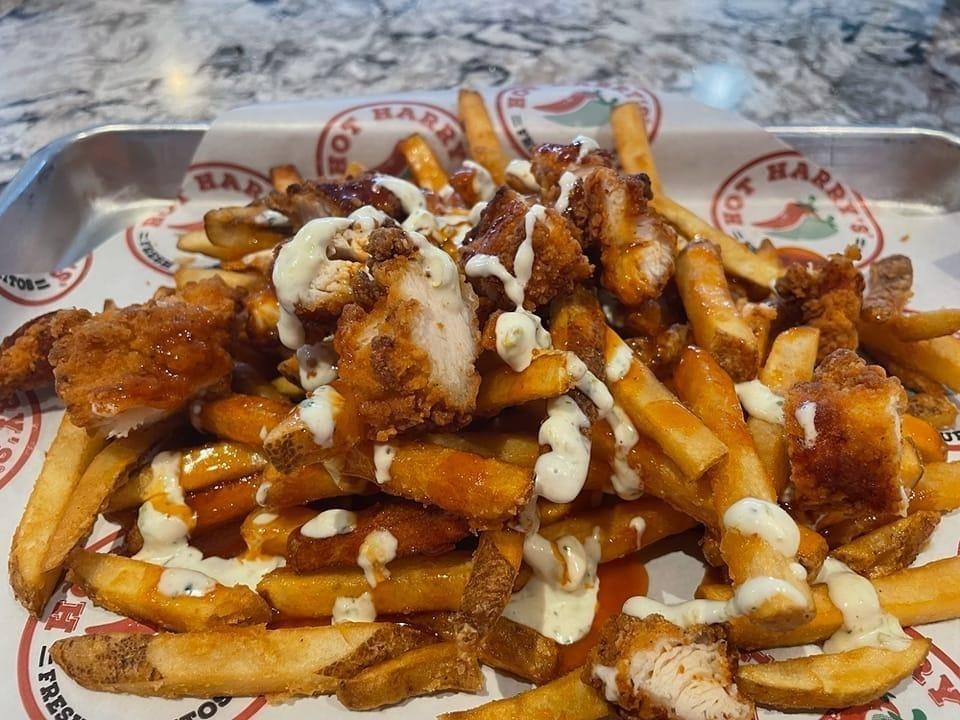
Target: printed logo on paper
column 933, row 693
column 19, row 430
column 353, row 135
column 43, row 288
column 48, row 694
column 153, row 241
column 803, row 208
column 533, row 115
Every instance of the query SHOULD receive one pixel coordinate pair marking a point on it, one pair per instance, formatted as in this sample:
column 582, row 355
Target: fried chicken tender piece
column 827, row 297
column 303, row 202
column 558, row 263
column 23, row 353
column 844, row 442
column 129, row 366
column 409, row 358
column 638, row 248
column 889, row 289
column 655, row 670
column 550, row 161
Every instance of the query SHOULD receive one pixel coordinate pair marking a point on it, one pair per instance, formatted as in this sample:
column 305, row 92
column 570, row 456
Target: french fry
column 283, row 176
column 496, row 563
column 509, row 646
column 739, row 260
column 423, row 671
column 925, row 438
column 508, row 447
column 306, row 484
column 237, row 662
column 938, row 488
column 241, row 418
column 771, row 446
column 925, row 594
column 655, row 411
column 247, row 280
column 709, row 392
column 248, row 228
column 889, row 548
column 197, row 241
column 417, row 529
column 131, row 588
column 416, row 584
column 105, row 472
column 424, row 165
column 911, row 465
column 574, row 699
column 482, row 140
column 546, row 377
column 938, row 358
column 633, row 145
column 925, row 325
column 551, row 512
column 716, row 322
column 792, row 358
column 617, row 536
column 200, row 467
column 484, row 490
column 266, row 533
column 218, row 505
column 70, row 453
column 822, row 682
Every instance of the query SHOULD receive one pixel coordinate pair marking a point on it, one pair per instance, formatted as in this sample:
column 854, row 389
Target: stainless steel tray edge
column 81, row 188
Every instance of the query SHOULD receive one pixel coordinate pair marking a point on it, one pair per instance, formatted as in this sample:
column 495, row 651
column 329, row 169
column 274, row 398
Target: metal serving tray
column 82, row 188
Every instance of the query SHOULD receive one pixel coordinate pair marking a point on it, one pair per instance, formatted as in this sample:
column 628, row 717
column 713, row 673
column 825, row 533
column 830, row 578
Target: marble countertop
column 67, row 65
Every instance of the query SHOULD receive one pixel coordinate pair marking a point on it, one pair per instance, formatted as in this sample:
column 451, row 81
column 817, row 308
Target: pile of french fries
column 457, row 504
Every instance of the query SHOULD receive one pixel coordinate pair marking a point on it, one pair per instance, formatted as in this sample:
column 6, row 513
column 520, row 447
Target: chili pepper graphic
column 792, row 214
column 799, row 221
column 580, row 109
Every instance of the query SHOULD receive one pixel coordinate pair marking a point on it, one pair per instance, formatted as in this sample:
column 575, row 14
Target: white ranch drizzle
column 567, row 182
column 559, row 474
column 619, row 363
column 753, row 516
column 358, row 609
column 264, row 517
column 520, row 171
column 586, row 145
column 377, row 549
column 330, row 523
column 382, row 460
column 262, row 490
column 179, row 582
column 271, row 218
column 319, row 413
column 760, row 401
column 483, row 185
column 805, row 415
column 317, row 365
column 639, row 525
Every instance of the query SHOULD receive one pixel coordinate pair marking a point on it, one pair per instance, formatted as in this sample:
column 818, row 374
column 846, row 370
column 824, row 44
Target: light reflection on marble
column 69, row 65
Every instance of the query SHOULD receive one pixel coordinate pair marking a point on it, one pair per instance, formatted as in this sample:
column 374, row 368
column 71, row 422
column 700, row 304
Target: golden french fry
column 822, row 682
column 793, row 355
column 266, row 532
column 911, row 465
column 105, row 472
column 925, row 438
column 568, row 694
column 925, row 594
column 132, row 588
column 938, row 488
column 925, row 325
column 716, row 322
column 633, row 145
column 508, row 447
column 416, row 584
column 655, row 411
column 70, row 453
column 620, row 531
column 218, row 505
column 482, row 140
column 938, row 358
column 197, row 241
column 241, row 418
column 200, row 467
column 889, row 548
column 246, row 229
column 496, row 563
column 739, row 259
column 283, row 176
column 759, row 318
column 548, row 376
column 771, row 445
column 246, row 280
column 709, row 392
column 424, row 164
column 305, row 484
column 238, row 662
column 423, row 671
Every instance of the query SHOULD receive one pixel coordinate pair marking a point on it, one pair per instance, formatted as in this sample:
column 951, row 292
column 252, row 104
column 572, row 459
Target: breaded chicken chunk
column 654, row 670
column 23, row 353
column 134, row 365
column 637, row 247
column 827, row 297
column 409, row 357
column 844, row 441
column 558, row 259
column 303, row 202
column 550, row 161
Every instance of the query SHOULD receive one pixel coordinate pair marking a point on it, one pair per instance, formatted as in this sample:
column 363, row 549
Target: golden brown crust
column 889, row 548
column 23, row 353
column 890, row 287
column 549, row 161
column 307, row 200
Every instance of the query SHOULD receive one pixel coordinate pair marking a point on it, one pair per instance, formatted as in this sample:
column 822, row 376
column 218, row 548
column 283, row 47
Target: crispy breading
column 23, row 353
column 558, row 264
column 889, row 289
column 418, row 530
column 409, row 359
column 661, row 353
column 844, row 441
column 137, row 364
column 655, row 670
column 637, row 247
column 827, row 297
column 549, row 161
column 305, row 201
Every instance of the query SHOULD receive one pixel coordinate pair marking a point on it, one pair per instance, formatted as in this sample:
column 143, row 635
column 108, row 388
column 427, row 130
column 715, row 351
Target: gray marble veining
column 66, row 65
